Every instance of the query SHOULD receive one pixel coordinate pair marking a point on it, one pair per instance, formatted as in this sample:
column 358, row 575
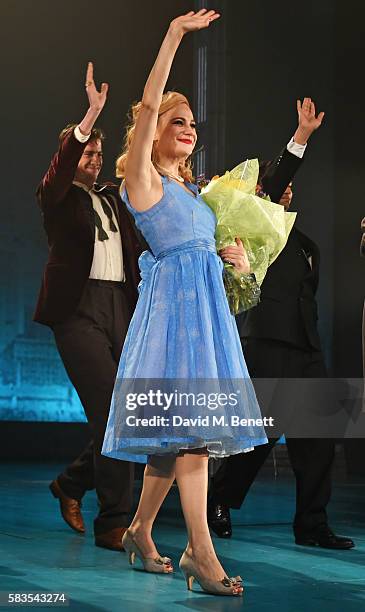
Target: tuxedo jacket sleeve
column 58, row 179
column 280, row 174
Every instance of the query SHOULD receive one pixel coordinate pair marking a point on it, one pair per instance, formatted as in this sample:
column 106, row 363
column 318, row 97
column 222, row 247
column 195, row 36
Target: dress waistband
column 191, row 245
column 149, row 263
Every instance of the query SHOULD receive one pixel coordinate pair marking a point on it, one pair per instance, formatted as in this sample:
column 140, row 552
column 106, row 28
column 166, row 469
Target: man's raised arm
column 282, row 170
column 60, row 174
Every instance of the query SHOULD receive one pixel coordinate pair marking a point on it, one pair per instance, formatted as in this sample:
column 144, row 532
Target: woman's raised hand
column 96, row 98
column 194, row 21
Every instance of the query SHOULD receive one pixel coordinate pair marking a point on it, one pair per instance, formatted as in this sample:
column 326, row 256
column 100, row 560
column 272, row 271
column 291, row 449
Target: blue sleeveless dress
column 182, row 339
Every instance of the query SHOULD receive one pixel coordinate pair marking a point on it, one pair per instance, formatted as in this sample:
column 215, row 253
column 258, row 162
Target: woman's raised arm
column 142, row 180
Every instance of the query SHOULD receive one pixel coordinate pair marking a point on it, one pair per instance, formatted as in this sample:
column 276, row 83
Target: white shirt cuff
column 80, row 136
column 296, row 149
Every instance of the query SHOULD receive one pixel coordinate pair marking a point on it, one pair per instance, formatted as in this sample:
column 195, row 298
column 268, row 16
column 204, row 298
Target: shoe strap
column 235, row 580
column 163, row 560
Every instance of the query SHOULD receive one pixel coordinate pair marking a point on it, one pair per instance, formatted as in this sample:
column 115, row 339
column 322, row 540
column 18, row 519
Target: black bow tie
column 102, row 235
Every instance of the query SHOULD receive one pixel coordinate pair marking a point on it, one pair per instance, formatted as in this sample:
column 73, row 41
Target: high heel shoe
column 159, row 565
column 226, row 586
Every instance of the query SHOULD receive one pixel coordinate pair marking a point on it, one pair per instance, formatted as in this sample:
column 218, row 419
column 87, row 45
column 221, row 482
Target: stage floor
column 40, row 553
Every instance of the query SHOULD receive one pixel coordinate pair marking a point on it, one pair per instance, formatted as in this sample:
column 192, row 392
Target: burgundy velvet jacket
column 68, row 219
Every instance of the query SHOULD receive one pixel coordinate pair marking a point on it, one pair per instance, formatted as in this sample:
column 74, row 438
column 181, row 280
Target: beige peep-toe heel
column 158, row 565
column 226, row 586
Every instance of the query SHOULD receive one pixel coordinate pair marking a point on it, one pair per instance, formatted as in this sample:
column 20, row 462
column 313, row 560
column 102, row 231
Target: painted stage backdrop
column 33, row 382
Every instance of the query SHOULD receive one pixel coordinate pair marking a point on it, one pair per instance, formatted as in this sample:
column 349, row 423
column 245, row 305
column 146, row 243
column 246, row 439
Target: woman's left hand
column 236, row 255
column 193, row 21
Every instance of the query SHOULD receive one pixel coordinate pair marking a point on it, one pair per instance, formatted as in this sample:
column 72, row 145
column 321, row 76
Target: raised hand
column 308, row 122
column 96, row 98
column 194, row 21
column 307, row 115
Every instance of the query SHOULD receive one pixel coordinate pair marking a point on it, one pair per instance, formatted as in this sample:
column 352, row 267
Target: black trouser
column 311, row 459
column 90, row 343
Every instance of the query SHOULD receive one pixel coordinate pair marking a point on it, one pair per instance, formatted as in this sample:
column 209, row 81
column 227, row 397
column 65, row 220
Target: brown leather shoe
column 70, row 508
column 111, row 539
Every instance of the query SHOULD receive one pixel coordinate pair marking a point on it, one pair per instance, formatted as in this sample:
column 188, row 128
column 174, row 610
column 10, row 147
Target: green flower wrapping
column 262, row 225
column 242, row 290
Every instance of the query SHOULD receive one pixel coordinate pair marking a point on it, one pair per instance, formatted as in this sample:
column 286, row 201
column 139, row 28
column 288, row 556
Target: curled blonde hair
column 170, row 99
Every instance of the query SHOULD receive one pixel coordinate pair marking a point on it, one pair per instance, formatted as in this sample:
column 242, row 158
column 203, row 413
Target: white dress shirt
column 107, row 262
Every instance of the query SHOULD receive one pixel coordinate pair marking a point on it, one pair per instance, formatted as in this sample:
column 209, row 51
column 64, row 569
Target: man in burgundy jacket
column 87, row 297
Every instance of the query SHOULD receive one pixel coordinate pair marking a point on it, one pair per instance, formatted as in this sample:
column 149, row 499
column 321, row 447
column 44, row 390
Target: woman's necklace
column 177, row 177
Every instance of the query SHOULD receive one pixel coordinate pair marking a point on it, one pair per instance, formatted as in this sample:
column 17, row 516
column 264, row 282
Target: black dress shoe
column 219, row 520
column 325, row 538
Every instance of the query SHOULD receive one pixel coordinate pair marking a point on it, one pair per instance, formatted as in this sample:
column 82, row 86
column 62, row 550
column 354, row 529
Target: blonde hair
column 170, row 99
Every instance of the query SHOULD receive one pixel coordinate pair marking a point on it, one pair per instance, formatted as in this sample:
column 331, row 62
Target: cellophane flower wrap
column 262, row 225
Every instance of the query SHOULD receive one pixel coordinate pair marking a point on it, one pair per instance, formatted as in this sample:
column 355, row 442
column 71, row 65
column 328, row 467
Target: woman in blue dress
column 182, row 329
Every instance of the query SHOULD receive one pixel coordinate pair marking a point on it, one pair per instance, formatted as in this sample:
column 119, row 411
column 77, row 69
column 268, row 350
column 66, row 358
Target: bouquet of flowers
column 262, row 225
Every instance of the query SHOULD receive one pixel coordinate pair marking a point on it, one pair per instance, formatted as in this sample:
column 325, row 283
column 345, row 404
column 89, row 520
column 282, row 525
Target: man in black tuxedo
column 87, row 297
column 280, row 341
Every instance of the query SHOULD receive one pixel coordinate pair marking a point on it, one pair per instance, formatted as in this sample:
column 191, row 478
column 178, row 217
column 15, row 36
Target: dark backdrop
column 277, row 52
column 348, row 184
